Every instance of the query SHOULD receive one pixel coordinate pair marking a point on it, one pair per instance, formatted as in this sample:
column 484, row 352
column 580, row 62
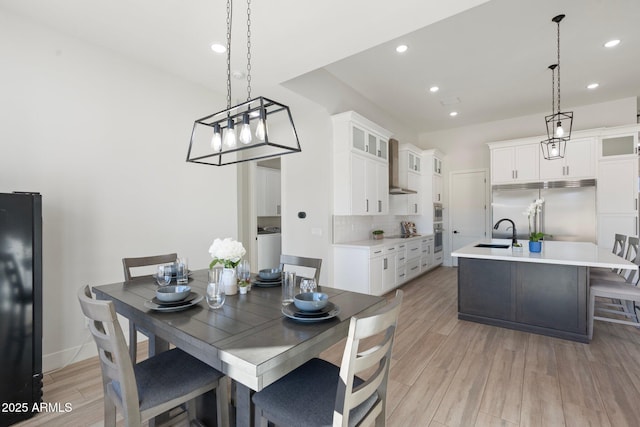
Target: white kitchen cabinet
column 617, row 190
column 368, row 270
column 360, row 169
column 437, row 165
column 413, row 258
column 617, row 198
column 577, row 163
column 518, row 163
column 426, row 254
column 437, row 188
column 268, row 192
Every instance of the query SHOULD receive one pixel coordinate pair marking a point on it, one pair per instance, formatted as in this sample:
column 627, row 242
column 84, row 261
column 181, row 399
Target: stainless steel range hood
column 394, row 172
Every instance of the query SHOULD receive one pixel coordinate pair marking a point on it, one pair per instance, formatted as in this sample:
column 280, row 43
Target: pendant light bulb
column 216, row 140
column 554, row 150
column 559, row 130
column 261, row 129
column 230, row 134
column 245, row 130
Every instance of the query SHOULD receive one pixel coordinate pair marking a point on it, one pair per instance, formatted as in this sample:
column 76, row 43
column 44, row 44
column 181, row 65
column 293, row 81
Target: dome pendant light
column 208, row 134
column 559, row 123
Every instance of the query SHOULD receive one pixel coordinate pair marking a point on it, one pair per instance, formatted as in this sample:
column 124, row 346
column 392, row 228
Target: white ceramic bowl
column 311, row 301
column 270, row 273
column 172, row 293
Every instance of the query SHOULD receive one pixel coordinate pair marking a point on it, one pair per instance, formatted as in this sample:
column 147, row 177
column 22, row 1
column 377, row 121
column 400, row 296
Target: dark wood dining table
column 248, row 338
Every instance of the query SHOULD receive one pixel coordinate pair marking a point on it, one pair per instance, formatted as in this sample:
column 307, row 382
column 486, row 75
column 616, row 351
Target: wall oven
column 437, row 212
column 437, row 237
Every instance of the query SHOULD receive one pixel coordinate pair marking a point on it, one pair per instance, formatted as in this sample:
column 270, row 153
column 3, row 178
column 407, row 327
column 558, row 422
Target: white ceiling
column 491, row 55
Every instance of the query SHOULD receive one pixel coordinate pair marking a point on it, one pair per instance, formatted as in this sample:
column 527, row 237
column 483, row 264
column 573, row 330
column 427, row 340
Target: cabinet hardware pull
column 415, row 268
column 379, row 205
column 567, row 170
column 377, row 252
column 367, row 206
column 385, row 264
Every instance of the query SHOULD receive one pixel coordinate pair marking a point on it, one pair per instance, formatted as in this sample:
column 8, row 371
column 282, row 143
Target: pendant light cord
column 248, row 50
column 229, row 20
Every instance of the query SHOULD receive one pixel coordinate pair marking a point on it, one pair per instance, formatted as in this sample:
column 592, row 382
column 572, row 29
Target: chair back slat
column 307, row 263
column 129, row 263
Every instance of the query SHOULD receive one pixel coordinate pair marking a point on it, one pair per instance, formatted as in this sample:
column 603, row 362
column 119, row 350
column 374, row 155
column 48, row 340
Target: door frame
column 487, row 205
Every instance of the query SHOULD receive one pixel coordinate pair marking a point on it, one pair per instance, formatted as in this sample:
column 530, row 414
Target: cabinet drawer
column 401, row 275
column 413, row 250
column 413, row 268
column 437, row 258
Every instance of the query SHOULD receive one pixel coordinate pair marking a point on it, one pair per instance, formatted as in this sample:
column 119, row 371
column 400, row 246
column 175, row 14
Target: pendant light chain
column 248, row 50
column 229, row 20
column 558, row 67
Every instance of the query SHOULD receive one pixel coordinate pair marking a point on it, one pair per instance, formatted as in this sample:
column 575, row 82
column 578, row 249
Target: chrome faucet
column 514, row 239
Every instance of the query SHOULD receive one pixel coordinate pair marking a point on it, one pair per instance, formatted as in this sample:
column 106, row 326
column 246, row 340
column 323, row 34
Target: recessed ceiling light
column 434, row 89
column 218, row 48
column 402, row 48
column 453, row 113
column 612, row 43
column 592, row 85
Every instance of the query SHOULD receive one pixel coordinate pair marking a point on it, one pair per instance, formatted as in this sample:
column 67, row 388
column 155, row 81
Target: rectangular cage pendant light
column 254, row 130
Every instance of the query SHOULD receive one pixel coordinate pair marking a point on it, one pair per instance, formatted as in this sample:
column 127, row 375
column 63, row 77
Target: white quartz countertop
column 370, row 243
column 553, row 252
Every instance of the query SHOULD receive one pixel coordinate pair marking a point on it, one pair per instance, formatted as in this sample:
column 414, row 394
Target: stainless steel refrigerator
column 568, row 212
column 20, row 305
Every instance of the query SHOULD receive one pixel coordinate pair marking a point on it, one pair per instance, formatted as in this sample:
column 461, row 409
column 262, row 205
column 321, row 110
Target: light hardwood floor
column 448, row 372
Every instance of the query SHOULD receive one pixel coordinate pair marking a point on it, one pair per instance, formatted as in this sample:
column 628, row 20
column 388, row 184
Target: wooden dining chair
column 154, row 386
column 319, row 393
column 307, row 263
column 128, row 264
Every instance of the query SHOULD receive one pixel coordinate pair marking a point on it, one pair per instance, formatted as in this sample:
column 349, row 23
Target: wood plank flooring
column 448, row 372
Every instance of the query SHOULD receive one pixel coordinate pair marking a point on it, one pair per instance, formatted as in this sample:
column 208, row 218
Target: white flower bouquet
column 227, row 252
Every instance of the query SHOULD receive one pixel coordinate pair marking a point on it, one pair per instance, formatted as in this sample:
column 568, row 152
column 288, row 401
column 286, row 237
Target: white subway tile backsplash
column 352, row 228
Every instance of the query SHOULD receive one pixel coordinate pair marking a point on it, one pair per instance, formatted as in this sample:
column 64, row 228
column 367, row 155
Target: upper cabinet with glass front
column 622, row 141
column 369, row 141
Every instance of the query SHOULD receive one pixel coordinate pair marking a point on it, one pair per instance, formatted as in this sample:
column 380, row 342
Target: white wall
column 104, row 140
column 466, row 147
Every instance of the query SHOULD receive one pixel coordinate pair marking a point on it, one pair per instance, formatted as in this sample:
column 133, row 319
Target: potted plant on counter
column 535, row 237
column 377, row 234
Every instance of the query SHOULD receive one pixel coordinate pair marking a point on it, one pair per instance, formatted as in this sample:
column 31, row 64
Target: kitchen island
column 545, row 293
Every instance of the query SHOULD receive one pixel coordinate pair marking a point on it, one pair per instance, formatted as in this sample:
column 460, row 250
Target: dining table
column 249, row 338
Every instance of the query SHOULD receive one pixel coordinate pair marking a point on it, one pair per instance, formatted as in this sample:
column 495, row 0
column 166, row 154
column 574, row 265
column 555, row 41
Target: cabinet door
column 611, row 224
column 383, row 149
column 552, row 169
column 371, row 187
column 580, row 159
column 382, row 188
column 502, row 168
column 372, row 144
column 376, row 271
column 358, row 138
column 617, row 189
column 388, row 273
column 358, row 185
column 437, row 189
column 437, row 165
column 526, row 158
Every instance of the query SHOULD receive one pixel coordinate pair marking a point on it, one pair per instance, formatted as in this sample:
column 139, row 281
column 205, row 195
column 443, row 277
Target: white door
column 468, row 209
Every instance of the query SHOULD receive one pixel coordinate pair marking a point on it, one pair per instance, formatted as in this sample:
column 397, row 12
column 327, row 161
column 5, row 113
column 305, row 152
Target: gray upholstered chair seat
column 169, row 375
column 306, row 397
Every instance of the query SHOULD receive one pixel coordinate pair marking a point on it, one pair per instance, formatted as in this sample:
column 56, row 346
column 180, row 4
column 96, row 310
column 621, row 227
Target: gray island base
column 541, row 293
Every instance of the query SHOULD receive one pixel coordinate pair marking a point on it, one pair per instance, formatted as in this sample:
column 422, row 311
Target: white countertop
column 370, row 243
column 565, row 253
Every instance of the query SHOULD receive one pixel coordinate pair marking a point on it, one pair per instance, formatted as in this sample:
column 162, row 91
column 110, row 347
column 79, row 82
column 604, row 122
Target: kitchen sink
column 492, row 246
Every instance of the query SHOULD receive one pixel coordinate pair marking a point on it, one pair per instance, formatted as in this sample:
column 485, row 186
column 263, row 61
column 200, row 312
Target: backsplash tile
column 351, row 228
